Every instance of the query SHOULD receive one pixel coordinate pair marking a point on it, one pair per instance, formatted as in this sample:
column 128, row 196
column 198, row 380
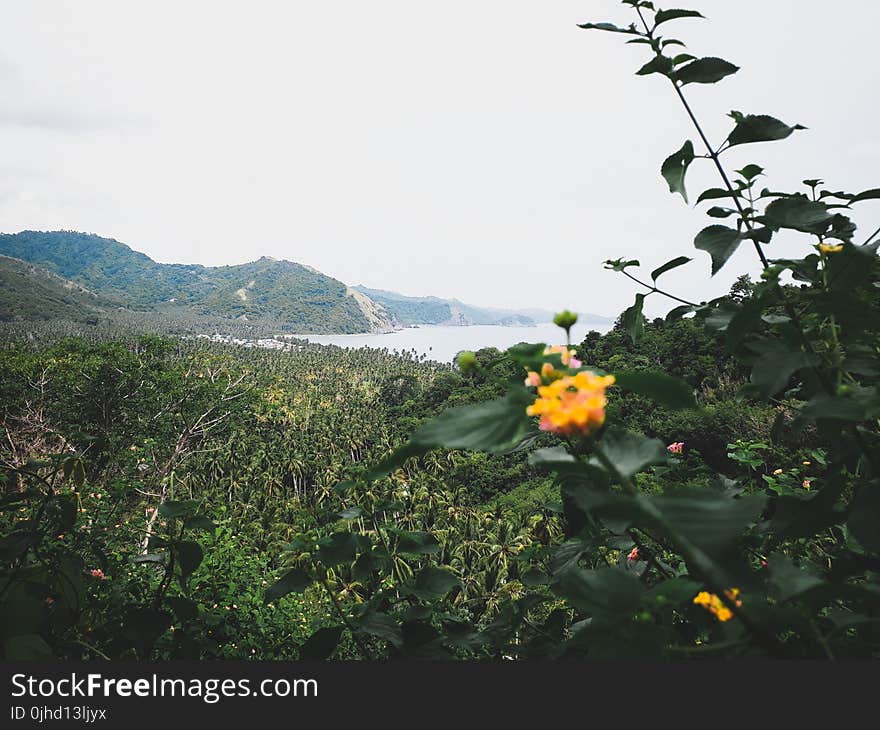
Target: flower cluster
column 548, row 372
column 714, row 604
column 98, row 573
column 676, row 448
column 572, row 403
column 830, row 247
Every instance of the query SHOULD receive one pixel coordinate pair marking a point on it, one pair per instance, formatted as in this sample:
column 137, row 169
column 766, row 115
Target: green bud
column 466, row 361
column 565, row 319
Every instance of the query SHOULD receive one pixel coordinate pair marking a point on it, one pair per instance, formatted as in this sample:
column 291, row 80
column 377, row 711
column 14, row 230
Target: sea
column 443, row 343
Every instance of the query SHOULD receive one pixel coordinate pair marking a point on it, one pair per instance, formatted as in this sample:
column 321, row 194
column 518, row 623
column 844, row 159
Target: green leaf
column 778, row 360
column 178, row 509
column 668, row 266
column 864, row 517
column 709, row 520
column 494, row 426
column 750, row 172
column 415, row 542
column 189, row 557
column 184, row 608
column 607, row 593
column 433, row 583
column 705, row 71
column 715, row 194
column 664, row 16
column 632, row 320
column 674, row 591
column 27, row 647
column 340, row 547
column 799, row 213
column 610, row 27
column 787, row 580
column 352, row 513
column 630, row 452
column 660, row 387
column 717, row 212
column 657, row 65
column 620, row 264
column 720, row 242
column 322, row 643
column 675, row 167
column 873, row 194
column 382, row 626
column 758, row 128
column 293, row 581
column 199, row 523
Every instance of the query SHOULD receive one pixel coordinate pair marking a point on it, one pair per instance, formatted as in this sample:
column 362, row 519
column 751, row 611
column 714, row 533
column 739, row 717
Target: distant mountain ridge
column 409, row 311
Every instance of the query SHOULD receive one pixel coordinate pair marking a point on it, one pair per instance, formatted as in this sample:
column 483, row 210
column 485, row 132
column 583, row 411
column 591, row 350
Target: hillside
column 29, row 292
column 434, row 310
column 294, row 297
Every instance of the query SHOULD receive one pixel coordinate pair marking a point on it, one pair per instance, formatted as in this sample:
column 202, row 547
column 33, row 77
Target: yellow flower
column 572, row 403
column 715, row 605
column 830, row 247
column 777, row 472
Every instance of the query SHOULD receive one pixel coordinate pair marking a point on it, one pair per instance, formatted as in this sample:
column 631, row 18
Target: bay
column 443, row 343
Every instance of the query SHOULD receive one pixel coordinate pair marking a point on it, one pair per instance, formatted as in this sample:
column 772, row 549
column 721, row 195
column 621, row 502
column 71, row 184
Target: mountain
column 28, row 292
column 408, row 311
column 290, row 296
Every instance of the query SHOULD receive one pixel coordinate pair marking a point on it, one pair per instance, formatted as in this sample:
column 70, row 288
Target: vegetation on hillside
column 706, row 485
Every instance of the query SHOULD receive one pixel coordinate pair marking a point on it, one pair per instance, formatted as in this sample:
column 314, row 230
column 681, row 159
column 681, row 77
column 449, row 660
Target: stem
column 659, row 291
column 362, row 646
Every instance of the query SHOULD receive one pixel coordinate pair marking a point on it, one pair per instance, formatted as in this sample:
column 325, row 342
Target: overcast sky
column 483, row 149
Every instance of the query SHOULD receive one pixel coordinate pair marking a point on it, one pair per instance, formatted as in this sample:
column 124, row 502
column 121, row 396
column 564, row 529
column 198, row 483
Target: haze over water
column 443, row 343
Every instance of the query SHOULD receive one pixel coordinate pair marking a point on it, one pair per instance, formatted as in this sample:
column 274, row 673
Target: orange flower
column 715, row 605
column 572, row 403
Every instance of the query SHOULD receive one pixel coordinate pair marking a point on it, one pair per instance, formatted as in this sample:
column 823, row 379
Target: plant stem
column 659, row 291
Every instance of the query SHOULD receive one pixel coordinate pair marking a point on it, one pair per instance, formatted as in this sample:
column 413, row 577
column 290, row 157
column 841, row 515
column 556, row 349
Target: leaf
column 668, row 266
column 630, row 452
column 679, row 312
column 340, row 547
column 799, row 213
column 705, row 71
column 433, row 583
column 199, row 523
column 675, row 591
column 717, row 212
column 184, row 608
column 352, row 513
column 178, row 509
column 657, row 65
column 620, row 264
column 659, row 387
column 720, row 242
column 787, row 580
column 631, row 30
column 550, row 457
column 778, row 361
column 675, row 167
column 663, row 16
column 750, row 172
column 758, row 128
column 873, row 194
column 864, row 517
column 27, row 647
column 382, row 626
column 189, row 557
column 494, row 426
column 632, row 320
column 606, row 593
column 709, row 520
column 715, row 194
column 322, row 643
column 416, row 542
column 293, row 581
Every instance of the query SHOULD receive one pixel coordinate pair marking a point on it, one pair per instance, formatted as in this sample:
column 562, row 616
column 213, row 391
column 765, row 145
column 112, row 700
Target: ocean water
column 443, row 343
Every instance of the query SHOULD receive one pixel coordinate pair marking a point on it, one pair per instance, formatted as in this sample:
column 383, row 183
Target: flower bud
column 565, row 319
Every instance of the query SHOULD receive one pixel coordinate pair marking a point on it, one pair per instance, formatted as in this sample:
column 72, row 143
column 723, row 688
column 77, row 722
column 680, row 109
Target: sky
column 485, row 150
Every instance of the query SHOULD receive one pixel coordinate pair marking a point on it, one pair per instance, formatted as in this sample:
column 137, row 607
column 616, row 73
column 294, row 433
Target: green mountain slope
column 29, row 292
column 293, row 297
